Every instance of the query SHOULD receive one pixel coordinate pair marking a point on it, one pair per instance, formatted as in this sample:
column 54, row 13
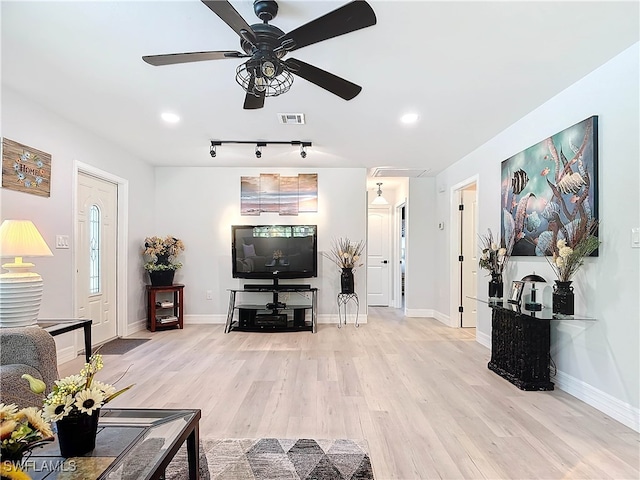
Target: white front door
column 97, row 232
column 378, row 256
column 469, row 265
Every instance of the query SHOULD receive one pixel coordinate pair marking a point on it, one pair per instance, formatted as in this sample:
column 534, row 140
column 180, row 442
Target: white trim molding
column 617, row 409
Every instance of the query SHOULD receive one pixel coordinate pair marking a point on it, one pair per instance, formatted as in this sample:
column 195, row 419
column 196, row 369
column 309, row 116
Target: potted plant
column 74, row 404
column 161, row 254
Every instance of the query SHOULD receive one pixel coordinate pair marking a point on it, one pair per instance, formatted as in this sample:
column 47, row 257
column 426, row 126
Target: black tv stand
column 274, row 316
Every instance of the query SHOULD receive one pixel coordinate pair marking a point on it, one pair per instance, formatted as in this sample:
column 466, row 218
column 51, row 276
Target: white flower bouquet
column 80, row 394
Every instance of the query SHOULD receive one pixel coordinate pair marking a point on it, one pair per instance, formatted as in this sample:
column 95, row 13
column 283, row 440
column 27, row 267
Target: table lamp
column 20, row 288
column 532, row 279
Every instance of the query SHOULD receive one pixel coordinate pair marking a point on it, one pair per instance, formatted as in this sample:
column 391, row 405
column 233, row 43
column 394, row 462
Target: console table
column 520, row 344
column 272, row 316
column 131, row 444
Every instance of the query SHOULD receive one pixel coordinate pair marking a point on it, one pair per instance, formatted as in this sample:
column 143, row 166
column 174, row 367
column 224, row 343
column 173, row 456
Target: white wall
column 421, row 228
column 200, row 204
column 597, row 361
column 32, row 125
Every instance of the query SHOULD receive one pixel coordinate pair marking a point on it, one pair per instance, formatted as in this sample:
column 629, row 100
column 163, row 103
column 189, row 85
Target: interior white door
column 469, row 254
column 97, row 232
column 378, row 256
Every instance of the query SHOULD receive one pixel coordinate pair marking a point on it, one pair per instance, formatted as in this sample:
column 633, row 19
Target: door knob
column 385, row 261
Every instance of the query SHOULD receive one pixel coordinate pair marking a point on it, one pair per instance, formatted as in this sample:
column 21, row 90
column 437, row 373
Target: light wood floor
column 419, row 392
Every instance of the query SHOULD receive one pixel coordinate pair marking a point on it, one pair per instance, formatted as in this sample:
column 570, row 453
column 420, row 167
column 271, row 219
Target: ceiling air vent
column 291, row 118
column 399, row 172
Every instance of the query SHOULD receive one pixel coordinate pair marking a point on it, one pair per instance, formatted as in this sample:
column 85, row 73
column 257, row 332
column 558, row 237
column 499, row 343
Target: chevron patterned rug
column 287, row 459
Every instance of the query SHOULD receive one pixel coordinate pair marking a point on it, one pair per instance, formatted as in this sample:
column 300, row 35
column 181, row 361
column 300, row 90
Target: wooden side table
column 165, row 306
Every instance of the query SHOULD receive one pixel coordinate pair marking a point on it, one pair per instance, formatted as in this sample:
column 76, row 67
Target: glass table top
column 131, row 444
column 545, row 314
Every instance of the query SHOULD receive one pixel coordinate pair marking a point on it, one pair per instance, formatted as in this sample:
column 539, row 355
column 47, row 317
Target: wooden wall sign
column 25, row 169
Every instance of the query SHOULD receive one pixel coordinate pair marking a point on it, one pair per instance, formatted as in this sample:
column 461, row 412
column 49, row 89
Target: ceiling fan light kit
column 266, row 74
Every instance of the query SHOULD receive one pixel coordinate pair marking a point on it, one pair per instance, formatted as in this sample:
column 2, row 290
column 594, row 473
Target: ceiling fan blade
column 348, row 18
column 173, row 58
column 251, row 102
column 334, row 84
column 231, row 17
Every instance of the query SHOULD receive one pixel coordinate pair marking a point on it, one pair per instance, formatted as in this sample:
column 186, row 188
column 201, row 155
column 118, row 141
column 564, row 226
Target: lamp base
column 534, row 307
column 20, row 297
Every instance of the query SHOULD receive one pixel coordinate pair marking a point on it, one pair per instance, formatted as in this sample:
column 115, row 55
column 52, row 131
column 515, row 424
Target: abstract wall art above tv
column 551, row 188
column 272, row 192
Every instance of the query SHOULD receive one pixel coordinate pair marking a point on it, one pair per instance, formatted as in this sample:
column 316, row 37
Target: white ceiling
column 469, row 69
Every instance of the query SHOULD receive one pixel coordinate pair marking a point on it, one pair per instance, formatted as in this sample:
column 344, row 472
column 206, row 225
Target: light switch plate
column 635, row 238
column 62, row 241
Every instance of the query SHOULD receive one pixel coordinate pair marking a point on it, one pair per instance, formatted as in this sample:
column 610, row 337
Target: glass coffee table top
column 132, row 444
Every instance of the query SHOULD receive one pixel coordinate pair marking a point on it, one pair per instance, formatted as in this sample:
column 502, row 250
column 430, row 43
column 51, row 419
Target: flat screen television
column 274, row 251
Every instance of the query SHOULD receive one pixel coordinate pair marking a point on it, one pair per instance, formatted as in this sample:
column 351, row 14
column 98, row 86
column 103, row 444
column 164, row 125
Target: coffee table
column 132, row 444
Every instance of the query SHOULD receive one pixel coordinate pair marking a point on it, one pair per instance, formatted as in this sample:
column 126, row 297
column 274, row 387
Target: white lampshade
column 20, row 288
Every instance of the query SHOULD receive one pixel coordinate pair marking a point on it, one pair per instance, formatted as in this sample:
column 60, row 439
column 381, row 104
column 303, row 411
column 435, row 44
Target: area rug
column 120, row 346
column 283, row 459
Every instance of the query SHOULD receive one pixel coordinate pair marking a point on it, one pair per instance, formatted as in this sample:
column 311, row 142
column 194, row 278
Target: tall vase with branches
column 347, row 255
column 494, row 258
column 567, row 257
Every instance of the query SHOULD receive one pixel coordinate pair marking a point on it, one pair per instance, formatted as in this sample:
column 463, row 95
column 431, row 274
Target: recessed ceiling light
column 170, row 117
column 409, row 118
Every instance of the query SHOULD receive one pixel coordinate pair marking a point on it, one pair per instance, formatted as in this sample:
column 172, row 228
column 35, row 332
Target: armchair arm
column 30, row 346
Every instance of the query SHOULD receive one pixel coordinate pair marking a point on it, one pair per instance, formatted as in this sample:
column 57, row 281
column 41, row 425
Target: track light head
column 303, row 152
column 258, row 151
column 212, row 151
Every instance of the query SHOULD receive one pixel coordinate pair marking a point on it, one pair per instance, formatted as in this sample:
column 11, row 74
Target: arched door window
column 95, row 252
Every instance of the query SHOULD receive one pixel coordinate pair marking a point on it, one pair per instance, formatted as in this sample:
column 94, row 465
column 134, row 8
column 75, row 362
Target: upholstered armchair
column 26, row 350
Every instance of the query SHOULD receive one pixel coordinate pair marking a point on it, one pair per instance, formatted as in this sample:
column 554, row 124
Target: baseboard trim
column 483, row 339
column 617, row 409
column 428, row 313
column 66, row 354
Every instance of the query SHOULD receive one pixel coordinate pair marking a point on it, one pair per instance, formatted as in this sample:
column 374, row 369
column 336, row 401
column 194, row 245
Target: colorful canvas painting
column 25, row 169
column 249, row 195
column 269, row 192
column 286, row 195
column 551, row 188
column 308, row 192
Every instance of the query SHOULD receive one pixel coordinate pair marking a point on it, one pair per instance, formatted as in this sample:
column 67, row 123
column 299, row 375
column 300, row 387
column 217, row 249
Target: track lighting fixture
column 259, row 145
column 379, row 200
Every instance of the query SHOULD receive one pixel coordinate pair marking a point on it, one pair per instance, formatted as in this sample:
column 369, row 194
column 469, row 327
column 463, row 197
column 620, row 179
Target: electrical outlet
column 635, row 238
column 209, row 294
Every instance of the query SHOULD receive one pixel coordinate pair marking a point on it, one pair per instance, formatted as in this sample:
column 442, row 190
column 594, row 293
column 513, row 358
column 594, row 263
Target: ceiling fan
column 266, row 74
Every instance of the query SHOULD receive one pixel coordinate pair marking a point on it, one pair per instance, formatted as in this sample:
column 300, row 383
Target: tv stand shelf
column 256, row 317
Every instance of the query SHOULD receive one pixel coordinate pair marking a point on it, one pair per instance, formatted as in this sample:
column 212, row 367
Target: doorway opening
column 464, row 261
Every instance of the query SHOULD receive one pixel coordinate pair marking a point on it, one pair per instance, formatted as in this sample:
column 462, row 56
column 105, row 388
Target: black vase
column 77, row 433
column 162, row 278
column 496, row 287
column 347, row 284
column 563, row 298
